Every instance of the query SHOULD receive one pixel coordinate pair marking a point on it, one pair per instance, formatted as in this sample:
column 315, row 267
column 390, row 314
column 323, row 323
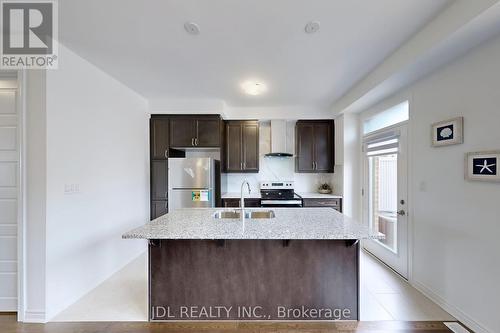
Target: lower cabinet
column 233, row 202
column 335, row 203
column 158, row 208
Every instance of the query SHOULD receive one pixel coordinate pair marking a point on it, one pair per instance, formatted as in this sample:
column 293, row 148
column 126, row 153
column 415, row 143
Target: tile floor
column 384, row 296
column 387, row 296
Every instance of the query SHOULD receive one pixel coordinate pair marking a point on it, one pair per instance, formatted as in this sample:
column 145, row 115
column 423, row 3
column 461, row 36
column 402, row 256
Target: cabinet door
column 159, row 180
column 208, row 132
column 182, row 132
column 250, row 147
column 323, row 147
column 233, row 203
column 251, row 202
column 159, row 138
column 233, row 151
column 304, row 161
column 158, row 208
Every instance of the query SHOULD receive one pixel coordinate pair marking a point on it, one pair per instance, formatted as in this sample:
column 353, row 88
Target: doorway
column 9, row 193
column 385, row 195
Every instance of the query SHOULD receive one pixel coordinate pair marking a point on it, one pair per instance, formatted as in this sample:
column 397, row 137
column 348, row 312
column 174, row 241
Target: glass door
column 385, row 196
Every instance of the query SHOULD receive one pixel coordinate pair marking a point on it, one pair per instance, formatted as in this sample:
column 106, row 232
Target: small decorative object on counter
column 324, row 188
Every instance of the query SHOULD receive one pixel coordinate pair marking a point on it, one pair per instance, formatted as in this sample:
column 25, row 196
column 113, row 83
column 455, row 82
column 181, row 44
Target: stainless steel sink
column 260, row 214
column 253, row 214
column 227, row 214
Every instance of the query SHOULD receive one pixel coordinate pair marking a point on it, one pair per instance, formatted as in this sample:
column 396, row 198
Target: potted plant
column 325, row 188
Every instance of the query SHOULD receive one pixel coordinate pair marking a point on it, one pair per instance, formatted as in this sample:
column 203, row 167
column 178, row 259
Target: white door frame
column 406, row 187
column 18, row 82
column 21, row 210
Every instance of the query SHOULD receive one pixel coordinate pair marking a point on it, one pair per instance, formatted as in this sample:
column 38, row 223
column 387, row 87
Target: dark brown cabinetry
column 168, row 132
column 335, row 203
column 314, row 146
column 233, row 202
column 159, row 138
column 241, row 149
column 192, row 131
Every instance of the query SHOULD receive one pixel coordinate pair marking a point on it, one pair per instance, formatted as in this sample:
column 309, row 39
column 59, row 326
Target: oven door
column 281, row 203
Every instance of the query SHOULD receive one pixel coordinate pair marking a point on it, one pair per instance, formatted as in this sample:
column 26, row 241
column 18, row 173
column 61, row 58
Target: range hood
column 279, row 147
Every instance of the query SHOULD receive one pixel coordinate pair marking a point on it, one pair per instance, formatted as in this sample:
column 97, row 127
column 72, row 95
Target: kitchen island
column 301, row 264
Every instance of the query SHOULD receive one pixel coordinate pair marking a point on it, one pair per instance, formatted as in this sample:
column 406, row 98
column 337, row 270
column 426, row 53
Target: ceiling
column 144, row 45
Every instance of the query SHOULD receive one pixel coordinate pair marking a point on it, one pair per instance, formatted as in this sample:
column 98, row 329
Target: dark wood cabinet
column 234, row 202
column 158, row 208
column 241, row 149
column 159, row 138
column 182, row 132
column 208, row 132
column 159, row 180
column 314, row 146
column 335, row 203
column 195, row 131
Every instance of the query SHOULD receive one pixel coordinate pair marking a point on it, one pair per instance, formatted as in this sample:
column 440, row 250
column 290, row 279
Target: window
column 396, row 114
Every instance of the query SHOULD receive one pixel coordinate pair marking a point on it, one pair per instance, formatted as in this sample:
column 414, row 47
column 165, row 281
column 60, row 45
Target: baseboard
column 451, row 309
column 34, row 317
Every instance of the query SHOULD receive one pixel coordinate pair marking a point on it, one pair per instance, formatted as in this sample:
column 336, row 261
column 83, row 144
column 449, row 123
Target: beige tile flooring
column 384, row 296
column 387, row 296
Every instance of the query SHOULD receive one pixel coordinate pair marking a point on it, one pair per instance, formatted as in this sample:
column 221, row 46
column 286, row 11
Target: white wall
column 280, row 168
column 456, row 223
column 97, row 139
column 351, row 164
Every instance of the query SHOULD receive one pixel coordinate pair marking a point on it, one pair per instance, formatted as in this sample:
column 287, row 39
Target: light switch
column 71, row 189
column 422, row 186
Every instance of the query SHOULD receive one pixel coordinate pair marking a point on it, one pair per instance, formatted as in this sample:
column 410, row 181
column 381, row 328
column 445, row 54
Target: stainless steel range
column 279, row 194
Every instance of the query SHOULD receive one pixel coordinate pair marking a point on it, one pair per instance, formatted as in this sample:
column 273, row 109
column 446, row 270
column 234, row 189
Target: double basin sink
column 249, row 214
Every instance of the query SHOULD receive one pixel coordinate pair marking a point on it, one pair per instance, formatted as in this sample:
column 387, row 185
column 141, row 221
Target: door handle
column 401, row 212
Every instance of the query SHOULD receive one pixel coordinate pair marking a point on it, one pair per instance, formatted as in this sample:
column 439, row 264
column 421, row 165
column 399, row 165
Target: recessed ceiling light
column 312, row 27
column 192, row 28
column 253, row 88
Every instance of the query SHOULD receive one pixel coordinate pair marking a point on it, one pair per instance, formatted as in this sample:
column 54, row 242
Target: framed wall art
column 482, row 166
column 448, row 132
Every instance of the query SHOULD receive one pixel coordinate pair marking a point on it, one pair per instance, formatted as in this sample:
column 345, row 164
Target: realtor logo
column 29, row 32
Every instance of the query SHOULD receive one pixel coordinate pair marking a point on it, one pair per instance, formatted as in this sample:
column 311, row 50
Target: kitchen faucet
column 242, row 199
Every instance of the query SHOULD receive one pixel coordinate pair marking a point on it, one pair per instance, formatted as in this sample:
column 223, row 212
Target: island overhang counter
column 303, row 264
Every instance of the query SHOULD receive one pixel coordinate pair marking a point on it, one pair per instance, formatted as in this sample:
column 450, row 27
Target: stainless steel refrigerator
column 193, row 183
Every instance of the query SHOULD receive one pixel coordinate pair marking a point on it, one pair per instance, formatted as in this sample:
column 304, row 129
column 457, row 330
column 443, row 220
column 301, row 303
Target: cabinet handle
column 166, row 195
column 195, row 141
column 192, row 141
column 313, row 165
column 166, row 153
column 244, row 165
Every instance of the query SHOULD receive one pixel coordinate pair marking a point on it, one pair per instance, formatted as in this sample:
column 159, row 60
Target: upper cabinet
column 241, row 148
column 159, row 138
column 315, row 147
column 195, row 131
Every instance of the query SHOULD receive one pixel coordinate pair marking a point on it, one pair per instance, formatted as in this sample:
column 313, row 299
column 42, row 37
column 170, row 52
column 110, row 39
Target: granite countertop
column 289, row 223
column 304, row 195
column 234, row 195
column 316, row 195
